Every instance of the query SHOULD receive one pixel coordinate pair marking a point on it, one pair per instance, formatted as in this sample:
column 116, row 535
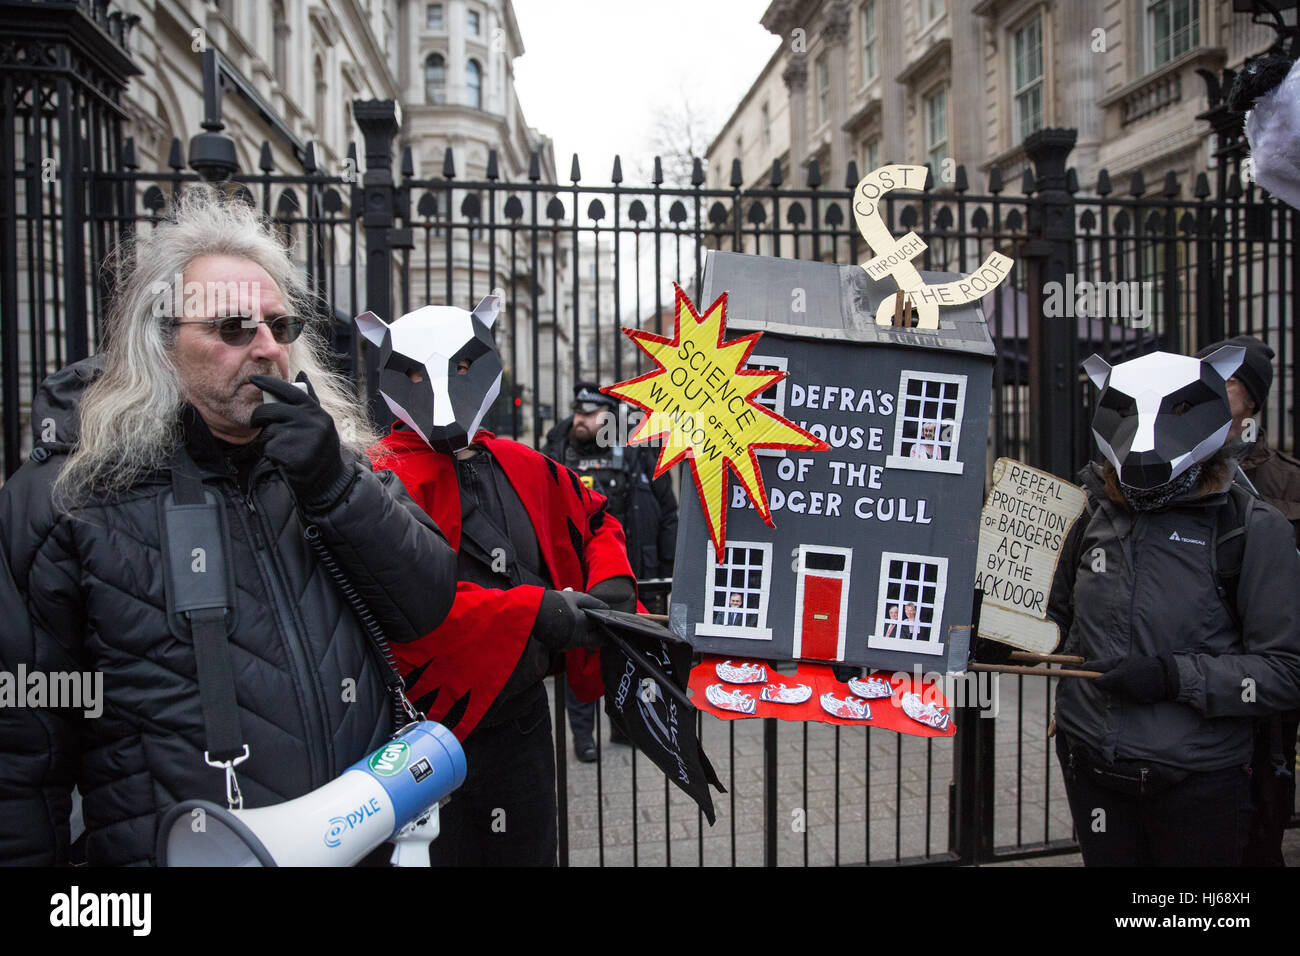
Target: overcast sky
column 594, row 71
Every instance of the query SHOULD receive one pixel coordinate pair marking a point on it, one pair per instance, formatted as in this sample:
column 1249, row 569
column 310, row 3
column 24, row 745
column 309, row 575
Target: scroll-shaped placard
column 1025, row 521
column 893, row 257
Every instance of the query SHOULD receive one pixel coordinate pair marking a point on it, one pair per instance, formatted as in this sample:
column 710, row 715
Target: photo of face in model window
column 905, row 623
column 735, row 613
column 930, row 444
column 911, row 600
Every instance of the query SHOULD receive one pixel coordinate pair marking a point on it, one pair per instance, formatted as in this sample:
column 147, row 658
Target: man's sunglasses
column 239, row 330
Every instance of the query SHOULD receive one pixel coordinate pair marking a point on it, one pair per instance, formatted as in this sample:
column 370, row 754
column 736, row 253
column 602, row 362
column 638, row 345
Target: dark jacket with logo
column 1144, row 583
column 646, row 506
column 84, row 592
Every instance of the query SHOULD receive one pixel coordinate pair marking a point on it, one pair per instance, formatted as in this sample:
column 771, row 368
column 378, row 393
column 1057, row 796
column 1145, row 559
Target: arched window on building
column 279, row 43
column 474, row 84
column 435, row 78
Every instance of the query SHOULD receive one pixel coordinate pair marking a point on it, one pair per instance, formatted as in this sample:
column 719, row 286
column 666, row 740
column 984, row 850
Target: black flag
column 645, row 668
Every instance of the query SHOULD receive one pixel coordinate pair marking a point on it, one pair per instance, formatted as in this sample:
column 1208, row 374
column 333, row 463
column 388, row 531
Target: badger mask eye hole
column 1181, row 408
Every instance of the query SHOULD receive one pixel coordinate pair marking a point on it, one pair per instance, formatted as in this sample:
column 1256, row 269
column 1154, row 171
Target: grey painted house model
column 872, row 560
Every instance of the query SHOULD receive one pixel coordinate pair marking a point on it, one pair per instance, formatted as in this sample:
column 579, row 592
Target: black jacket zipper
column 313, row 716
column 1139, row 526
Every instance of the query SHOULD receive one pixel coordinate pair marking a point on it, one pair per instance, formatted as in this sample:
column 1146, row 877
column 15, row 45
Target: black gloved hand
column 1141, row 678
column 619, row 593
column 562, row 623
column 302, row 440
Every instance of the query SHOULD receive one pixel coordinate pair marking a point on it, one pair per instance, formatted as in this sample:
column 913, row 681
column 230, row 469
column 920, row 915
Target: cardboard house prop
column 872, row 560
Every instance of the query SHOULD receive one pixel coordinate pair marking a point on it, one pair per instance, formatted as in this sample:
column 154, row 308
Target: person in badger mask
column 535, row 548
column 1156, row 751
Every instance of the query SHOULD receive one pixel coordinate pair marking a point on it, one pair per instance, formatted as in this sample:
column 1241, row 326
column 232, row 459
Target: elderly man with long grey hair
column 190, row 404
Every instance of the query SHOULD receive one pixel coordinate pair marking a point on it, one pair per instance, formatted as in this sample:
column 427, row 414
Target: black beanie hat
column 1256, row 371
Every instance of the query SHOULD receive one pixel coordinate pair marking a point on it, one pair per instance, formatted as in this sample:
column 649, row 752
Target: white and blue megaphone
column 393, row 794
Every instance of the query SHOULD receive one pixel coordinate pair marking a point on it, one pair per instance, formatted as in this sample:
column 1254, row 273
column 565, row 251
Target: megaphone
column 392, row 794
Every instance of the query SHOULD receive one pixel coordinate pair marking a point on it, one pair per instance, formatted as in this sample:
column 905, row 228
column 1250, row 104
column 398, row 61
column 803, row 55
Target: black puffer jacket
column 84, row 592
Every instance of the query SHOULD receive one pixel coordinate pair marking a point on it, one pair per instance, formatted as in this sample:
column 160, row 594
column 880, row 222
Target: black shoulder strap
column 200, row 601
column 1074, row 537
column 482, row 536
column 1230, row 544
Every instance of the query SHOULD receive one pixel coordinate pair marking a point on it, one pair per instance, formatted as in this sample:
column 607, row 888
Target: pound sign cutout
column 893, row 256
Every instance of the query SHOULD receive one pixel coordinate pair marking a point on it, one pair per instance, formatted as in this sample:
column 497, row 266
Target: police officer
column 587, row 442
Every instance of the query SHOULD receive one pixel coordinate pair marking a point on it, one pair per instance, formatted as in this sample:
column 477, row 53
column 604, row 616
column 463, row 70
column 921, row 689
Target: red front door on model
column 821, row 618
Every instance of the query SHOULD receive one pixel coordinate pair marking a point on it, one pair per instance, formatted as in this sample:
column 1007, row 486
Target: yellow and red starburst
column 699, row 402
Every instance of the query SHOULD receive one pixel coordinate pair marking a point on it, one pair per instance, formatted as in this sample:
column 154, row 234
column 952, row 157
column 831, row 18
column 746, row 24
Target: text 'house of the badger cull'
column 872, row 560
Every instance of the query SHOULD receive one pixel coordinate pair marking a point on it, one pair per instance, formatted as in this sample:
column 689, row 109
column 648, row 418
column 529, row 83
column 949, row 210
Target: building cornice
column 1213, row 56
column 869, row 110
column 938, row 52
column 512, row 28
column 779, row 15
column 430, row 119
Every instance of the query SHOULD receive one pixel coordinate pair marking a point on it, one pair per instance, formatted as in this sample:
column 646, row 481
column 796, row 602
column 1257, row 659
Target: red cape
column 472, row 653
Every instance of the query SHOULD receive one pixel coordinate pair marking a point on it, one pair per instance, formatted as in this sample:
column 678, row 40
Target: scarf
column 1149, row 499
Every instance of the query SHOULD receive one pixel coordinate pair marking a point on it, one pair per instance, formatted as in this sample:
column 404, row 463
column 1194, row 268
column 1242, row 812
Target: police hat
column 587, row 398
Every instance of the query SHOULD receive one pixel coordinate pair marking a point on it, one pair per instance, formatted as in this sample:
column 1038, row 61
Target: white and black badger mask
column 1160, row 414
column 418, row 376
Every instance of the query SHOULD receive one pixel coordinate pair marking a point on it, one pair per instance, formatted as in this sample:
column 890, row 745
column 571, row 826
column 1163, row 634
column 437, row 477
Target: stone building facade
column 965, row 82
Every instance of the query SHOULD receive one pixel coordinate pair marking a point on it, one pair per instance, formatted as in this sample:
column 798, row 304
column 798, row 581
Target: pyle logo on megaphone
column 340, row 825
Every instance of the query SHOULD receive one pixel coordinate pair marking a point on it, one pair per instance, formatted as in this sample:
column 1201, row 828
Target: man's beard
column 231, row 403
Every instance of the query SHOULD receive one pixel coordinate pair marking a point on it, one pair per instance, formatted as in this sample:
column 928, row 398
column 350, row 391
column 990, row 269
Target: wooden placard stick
column 1038, row 671
column 902, row 309
column 1029, row 658
column 661, row 618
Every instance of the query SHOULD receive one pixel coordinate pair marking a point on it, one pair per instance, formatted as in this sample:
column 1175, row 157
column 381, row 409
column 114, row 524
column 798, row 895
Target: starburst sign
column 700, row 403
